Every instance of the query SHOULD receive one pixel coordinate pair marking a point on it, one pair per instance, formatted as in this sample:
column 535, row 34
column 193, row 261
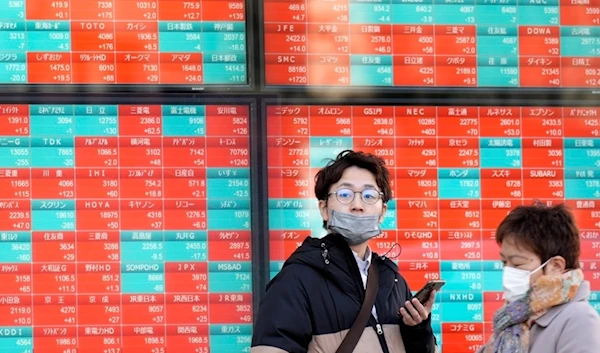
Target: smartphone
column 423, row 294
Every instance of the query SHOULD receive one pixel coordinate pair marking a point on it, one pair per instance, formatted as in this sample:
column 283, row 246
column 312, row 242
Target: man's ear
column 323, row 210
column 383, row 211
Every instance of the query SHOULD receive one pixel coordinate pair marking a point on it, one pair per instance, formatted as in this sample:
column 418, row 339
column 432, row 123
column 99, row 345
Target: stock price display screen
column 442, row 43
column 198, row 42
column 124, row 228
column 457, row 172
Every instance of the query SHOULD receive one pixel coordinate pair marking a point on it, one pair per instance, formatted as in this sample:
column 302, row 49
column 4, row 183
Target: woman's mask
column 516, row 282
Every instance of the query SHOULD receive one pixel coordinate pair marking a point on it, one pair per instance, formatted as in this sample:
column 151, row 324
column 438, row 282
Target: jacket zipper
column 377, row 326
column 380, row 336
column 379, row 330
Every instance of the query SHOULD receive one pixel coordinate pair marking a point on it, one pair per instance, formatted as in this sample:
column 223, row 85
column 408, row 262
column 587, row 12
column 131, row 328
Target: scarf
column 513, row 321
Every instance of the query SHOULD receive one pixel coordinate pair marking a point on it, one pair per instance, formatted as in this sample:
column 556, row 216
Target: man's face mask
column 355, row 229
column 516, row 282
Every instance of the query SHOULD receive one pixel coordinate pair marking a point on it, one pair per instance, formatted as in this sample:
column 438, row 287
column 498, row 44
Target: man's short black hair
column 547, row 231
column 334, row 169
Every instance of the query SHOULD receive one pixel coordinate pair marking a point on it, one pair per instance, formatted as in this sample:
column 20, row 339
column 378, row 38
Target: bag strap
column 353, row 335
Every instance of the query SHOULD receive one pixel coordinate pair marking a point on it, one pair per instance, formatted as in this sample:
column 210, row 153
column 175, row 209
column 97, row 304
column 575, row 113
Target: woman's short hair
column 544, row 230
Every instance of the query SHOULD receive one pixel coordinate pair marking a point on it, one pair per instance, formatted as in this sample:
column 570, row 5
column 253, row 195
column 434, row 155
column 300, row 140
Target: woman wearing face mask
column 547, row 308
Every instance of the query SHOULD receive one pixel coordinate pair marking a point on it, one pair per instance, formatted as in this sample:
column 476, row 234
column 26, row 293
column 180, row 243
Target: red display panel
column 456, row 173
column 549, row 44
column 141, row 42
column 125, row 228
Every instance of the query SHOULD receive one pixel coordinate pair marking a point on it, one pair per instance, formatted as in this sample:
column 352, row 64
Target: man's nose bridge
column 357, row 202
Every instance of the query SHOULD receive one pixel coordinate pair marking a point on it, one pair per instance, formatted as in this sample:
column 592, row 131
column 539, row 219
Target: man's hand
column 413, row 312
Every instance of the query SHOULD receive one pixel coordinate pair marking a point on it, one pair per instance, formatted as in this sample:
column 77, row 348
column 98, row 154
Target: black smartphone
column 423, row 294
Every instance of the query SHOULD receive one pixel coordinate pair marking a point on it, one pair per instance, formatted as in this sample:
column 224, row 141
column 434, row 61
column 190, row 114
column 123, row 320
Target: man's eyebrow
column 349, row 185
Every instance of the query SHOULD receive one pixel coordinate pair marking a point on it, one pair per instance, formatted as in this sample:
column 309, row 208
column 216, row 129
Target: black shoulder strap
column 351, row 339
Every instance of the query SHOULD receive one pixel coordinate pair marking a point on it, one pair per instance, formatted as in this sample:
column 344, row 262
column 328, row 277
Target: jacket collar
column 582, row 295
column 363, row 265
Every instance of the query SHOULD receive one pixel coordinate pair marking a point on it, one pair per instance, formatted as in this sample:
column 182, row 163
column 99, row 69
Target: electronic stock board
column 123, row 42
column 125, row 228
column 456, row 172
column 539, row 44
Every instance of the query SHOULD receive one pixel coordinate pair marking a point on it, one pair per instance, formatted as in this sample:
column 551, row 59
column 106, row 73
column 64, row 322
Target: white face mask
column 516, row 282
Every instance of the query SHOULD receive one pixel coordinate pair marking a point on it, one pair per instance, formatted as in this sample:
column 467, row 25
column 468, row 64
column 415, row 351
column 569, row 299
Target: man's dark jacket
column 312, row 302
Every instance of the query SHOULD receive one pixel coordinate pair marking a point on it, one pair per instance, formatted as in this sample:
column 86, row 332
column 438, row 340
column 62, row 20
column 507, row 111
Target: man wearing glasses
column 316, row 297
